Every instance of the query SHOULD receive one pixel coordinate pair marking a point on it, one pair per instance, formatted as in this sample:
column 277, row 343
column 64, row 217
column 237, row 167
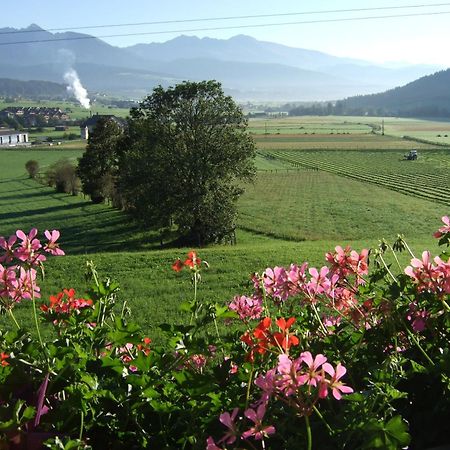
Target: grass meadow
column 305, row 200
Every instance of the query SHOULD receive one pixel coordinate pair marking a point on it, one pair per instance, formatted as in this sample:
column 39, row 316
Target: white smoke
column 75, row 87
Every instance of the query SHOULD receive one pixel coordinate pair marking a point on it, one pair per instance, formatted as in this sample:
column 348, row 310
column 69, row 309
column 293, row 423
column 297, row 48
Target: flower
column 314, row 375
column 7, row 246
column 247, row 307
column 336, row 386
column 445, row 229
column 284, row 339
column 3, row 359
column 192, row 261
column 177, row 265
column 211, row 445
column 258, row 431
column 51, row 246
column 228, row 419
column 28, row 251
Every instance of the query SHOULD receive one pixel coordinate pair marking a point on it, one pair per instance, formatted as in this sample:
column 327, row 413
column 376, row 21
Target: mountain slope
column 427, row 96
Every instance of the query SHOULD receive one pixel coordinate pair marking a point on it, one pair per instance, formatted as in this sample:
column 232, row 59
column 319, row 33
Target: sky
column 418, row 40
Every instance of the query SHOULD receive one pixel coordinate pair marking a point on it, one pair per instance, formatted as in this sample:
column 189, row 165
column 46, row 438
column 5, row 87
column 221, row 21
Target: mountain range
column 249, row 69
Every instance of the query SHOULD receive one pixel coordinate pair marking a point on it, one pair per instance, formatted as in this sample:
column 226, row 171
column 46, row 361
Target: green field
column 303, row 202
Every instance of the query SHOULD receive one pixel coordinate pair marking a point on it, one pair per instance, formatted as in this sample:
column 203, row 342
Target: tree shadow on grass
column 40, row 211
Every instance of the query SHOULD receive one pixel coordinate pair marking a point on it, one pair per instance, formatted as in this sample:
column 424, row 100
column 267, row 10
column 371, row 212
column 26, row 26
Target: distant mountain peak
column 34, row 27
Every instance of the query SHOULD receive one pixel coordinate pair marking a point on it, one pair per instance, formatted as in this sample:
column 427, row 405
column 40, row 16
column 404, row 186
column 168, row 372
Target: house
column 12, row 138
column 88, row 125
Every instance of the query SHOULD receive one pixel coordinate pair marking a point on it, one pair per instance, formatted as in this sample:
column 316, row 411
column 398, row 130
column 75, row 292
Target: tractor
column 411, row 156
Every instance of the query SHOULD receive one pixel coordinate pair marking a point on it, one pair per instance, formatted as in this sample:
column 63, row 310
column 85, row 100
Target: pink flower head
column 29, row 248
column 267, row 383
column 314, row 374
column 228, row 419
column 319, row 282
column 247, row 307
column 52, row 246
column 27, row 287
column 417, row 318
column 445, row 229
column 8, row 282
column 337, row 387
column 258, row 431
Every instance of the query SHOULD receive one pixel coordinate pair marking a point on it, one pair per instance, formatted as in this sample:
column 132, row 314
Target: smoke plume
column 75, row 87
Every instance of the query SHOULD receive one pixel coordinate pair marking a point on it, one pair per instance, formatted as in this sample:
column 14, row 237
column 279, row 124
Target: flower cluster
column 299, row 382
column 192, row 261
column 247, row 307
column 335, row 287
column 429, row 277
column 130, row 352
column 64, row 303
column 263, row 339
column 20, row 255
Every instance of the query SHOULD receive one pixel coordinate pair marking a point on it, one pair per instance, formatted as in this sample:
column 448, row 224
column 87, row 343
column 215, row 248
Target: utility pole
column 382, row 127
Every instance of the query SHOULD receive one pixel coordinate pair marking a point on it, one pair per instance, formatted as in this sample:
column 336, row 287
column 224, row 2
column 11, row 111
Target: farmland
column 312, row 192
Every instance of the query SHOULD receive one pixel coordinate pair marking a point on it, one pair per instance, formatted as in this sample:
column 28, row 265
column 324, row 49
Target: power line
column 255, row 16
column 233, row 27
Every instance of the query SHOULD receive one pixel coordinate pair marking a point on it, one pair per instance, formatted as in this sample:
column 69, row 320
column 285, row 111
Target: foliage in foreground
column 333, row 357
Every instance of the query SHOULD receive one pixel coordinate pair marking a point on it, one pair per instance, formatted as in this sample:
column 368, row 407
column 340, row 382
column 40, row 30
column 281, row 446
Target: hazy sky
column 420, row 39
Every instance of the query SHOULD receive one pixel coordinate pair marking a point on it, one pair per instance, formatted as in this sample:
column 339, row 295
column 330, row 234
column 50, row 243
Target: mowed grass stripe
column 424, row 180
column 316, row 205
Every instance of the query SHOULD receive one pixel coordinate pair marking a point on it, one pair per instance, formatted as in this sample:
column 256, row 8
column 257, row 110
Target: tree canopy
column 99, row 161
column 184, row 158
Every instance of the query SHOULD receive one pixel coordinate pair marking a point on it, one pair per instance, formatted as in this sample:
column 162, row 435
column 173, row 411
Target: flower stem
column 81, row 426
column 13, row 318
column 308, row 432
column 249, row 385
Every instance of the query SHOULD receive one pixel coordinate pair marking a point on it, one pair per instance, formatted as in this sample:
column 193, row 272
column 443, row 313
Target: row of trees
column 181, row 161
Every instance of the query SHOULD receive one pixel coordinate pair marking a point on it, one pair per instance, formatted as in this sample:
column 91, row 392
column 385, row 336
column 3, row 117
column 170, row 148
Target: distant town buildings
column 13, row 138
column 34, row 115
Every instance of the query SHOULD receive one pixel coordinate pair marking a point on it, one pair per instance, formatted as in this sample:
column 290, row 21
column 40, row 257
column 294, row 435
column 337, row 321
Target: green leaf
column 398, row 429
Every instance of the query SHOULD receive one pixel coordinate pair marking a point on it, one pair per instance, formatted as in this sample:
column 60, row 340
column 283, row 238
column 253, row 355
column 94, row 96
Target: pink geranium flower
column 51, row 246
column 337, row 387
column 228, row 419
column 28, row 251
column 314, row 374
column 258, row 431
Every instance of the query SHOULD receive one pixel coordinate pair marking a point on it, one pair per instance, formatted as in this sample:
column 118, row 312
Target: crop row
column 428, row 181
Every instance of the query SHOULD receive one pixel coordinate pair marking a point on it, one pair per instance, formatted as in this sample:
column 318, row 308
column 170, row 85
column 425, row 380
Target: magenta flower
column 417, row 318
column 267, row 383
column 336, row 386
column 51, row 246
column 228, row 419
column 258, row 431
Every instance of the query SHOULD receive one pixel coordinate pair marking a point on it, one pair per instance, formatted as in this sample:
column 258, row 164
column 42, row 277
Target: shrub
column 62, row 175
column 32, row 168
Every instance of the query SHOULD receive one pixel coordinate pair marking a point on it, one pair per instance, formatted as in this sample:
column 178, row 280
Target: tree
column 184, row 158
column 100, row 158
column 32, row 167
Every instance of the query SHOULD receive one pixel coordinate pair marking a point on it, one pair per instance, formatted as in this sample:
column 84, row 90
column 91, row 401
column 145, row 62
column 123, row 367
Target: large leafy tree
column 184, row 160
column 99, row 161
